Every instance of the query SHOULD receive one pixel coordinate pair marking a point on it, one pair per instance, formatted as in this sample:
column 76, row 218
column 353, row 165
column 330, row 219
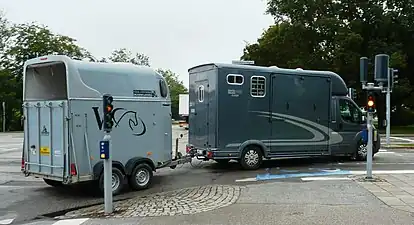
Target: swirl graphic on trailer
column 134, row 120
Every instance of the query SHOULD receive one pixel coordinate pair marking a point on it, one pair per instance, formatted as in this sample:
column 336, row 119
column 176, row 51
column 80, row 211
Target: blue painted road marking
column 293, row 175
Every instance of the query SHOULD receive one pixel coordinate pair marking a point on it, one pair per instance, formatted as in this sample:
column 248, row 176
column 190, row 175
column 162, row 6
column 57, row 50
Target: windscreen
column 45, row 82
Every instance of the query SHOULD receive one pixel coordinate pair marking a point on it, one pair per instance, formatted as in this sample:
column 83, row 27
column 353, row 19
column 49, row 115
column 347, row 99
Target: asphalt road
column 23, row 199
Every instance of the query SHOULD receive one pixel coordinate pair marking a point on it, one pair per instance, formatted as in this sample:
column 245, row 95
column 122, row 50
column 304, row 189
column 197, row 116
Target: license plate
column 199, row 152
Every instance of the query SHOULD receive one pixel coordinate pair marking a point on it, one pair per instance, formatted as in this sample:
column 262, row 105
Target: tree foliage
column 124, row 55
column 333, row 35
column 175, row 85
column 20, row 42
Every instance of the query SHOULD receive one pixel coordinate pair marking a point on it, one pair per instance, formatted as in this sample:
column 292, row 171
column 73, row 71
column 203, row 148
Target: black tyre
column 361, row 152
column 53, row 183
column 117, row 181
column 141, row 177
column 251, row 157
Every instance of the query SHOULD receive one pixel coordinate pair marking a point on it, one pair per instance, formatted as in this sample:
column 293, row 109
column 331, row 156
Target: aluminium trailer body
column 248, row 113
column 62, row 104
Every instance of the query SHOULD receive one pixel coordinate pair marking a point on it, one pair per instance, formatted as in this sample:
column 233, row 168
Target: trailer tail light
column 188, row 149
column 23, row 162
column 73, row 171
column 209, row 154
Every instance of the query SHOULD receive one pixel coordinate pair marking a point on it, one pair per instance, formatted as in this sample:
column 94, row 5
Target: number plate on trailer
column 199, row 152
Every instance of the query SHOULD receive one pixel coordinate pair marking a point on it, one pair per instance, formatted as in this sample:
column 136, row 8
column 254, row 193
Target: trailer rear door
column 45, row 128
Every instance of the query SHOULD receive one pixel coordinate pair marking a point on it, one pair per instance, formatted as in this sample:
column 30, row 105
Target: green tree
column 333, row 35
column 124, row 55
column 176, row 87
column 26, row 41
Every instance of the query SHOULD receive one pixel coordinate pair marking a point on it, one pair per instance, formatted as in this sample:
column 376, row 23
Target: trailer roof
column 339, row 86
column 91, row 79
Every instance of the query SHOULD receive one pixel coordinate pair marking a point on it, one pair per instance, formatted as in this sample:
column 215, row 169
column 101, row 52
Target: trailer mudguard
column 130, row 165
column 98, row 168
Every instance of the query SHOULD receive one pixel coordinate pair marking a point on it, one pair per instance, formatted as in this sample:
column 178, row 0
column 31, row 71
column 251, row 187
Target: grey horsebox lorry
column 62, row 105
column 250, row 113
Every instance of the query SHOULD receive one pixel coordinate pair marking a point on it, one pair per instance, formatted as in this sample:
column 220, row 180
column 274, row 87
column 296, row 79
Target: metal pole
column 108, row 177
column 369, row 146
column 388, row 114
column 4, row 116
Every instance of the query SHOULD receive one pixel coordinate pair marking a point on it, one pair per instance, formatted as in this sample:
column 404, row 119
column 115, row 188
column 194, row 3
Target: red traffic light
column 109, row 108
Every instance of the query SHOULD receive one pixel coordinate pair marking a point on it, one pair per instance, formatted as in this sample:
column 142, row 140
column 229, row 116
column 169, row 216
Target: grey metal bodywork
column 297, row 116
column 63, row 123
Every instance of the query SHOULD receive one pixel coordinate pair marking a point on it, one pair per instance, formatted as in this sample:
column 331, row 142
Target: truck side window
column 163, row 88
column 201, row 93
column 349, row 112
column 257, row 86
column 235, row 79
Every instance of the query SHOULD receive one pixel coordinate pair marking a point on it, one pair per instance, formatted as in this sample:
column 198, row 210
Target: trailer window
column 163, row 88
column 258, row 86
column 201, row 93
column 235, row 79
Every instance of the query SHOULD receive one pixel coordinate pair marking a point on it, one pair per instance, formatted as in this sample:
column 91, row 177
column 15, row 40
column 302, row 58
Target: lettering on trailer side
column 134, row 122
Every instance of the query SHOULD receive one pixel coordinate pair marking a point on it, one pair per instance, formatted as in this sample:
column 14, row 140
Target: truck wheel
column 251, row 157
column 117, row 181
column 361, row 152
column 141, row 177
column 53, row 183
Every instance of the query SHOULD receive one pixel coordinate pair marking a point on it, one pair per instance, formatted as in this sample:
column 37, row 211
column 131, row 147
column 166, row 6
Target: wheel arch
column 133, row 162
column 98, row 168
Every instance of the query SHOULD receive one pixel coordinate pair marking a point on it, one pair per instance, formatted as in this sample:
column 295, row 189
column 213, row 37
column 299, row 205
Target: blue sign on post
column 104, row 149
column 364, row 136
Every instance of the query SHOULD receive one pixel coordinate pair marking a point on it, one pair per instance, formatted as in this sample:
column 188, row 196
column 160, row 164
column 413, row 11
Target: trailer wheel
column 117, row 181
column 141, row 177
column 251, row 157
column 53, row 183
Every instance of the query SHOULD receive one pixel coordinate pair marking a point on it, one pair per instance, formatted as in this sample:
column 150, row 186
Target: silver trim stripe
column 318, row 137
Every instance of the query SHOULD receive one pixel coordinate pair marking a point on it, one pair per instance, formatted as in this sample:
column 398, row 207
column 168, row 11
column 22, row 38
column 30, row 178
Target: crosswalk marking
column 71, row 221
column 6, row 221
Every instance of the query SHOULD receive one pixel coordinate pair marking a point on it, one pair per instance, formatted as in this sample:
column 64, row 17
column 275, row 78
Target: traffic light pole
column 388, row 114
column 369, row 145
column 108, row 176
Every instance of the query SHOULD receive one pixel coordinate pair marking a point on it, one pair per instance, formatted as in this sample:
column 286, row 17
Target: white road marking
column 71, row 221
column 247, row 179
column 383, row 150
column 403, row 139
column 324, row 178
column 384, row 172
column 355, row 172
column 6, row 221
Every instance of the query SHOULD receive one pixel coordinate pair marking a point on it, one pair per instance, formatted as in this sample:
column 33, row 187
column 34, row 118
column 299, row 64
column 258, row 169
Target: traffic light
column 108, row 113
column 370, row 102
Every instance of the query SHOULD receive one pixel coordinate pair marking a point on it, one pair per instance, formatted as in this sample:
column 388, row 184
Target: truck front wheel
column 141, row 177
column 251, row 157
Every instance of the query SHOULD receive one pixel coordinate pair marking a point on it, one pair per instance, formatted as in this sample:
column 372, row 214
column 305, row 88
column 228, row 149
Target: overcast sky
column 175, row 34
